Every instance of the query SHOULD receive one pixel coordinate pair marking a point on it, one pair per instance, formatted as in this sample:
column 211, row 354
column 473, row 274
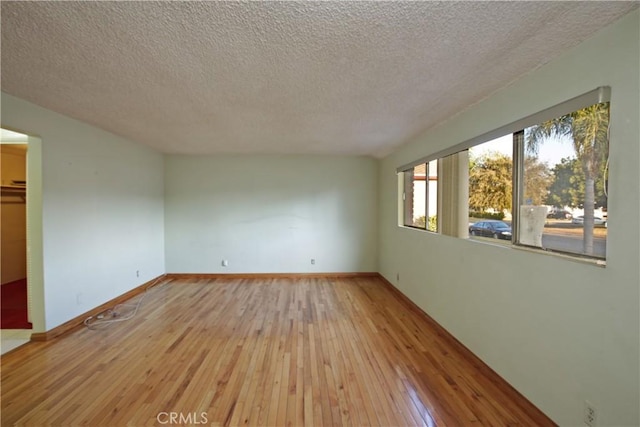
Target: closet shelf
column 14, row 188
column 14, row 191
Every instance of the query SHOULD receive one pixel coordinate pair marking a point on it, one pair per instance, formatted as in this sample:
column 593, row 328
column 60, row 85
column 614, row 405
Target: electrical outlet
column 225, row 263
column 397, row 277
column 137, row 273
column 590, row 414
column 313, row 261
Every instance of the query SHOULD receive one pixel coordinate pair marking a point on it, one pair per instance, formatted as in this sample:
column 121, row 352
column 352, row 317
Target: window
column 420, row 196
column 540, row 182
column 432, row 196
column 491, row 188
column 563, row 206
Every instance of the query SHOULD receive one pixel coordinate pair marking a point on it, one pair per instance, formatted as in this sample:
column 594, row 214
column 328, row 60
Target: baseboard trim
column 211, row 276
column 540, row 417
column 78, row 321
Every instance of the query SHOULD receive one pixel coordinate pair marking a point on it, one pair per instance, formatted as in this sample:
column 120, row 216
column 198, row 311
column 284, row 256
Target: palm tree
column 588, row 128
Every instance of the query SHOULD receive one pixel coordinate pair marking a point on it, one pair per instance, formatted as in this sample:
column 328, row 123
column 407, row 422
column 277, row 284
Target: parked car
column 596, row 220
column 491, row 228
column 559, row 214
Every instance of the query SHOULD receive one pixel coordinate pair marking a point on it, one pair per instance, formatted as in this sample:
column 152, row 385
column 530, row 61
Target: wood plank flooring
column 273, row 352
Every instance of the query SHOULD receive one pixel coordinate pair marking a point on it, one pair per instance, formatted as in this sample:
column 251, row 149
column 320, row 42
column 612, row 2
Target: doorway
column 22, row 287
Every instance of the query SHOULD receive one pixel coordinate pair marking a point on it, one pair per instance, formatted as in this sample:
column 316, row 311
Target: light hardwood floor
column 270, row 352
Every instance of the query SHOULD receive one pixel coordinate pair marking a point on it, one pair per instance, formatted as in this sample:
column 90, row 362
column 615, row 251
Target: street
column 573, row 244
column 568, row 240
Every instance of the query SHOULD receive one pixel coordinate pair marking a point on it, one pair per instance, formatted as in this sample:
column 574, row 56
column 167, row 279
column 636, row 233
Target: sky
column 551, row 151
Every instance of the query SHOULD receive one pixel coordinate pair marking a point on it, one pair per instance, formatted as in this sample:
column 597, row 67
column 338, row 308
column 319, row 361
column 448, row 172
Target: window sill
column 575, row 258
column 408, row 227
column 509, row 245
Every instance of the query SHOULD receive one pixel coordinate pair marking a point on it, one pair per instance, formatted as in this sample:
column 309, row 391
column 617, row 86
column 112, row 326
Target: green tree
column 537, row 179
column 588, row 129
column 567, row 188
column 490, row 182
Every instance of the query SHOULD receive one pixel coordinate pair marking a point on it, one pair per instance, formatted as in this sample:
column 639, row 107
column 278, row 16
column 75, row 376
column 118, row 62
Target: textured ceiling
column 279, row 77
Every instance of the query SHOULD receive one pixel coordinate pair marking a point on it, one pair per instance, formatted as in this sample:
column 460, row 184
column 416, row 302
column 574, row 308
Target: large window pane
column 564, row 203
column 490, row 189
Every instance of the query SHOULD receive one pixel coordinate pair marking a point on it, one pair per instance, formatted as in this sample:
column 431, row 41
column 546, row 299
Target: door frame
column 35, row 256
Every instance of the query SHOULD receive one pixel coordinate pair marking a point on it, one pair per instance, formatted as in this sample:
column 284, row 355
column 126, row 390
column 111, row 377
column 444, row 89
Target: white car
column 596, row 220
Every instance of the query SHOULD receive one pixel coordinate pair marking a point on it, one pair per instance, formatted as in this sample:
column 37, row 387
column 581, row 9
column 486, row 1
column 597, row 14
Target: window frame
column 408, row 181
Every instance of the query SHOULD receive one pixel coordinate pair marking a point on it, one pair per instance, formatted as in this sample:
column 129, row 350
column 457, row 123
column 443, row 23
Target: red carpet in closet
column 13, row 302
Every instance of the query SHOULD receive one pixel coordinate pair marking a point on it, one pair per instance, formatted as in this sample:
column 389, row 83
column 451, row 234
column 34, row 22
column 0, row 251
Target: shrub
column 487, row 215
column 433, row 223
column 421, row 222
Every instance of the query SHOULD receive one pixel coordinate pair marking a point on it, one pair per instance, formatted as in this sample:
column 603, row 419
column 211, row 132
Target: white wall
column 102, row 210
column 270, row 214
column 560, row 331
